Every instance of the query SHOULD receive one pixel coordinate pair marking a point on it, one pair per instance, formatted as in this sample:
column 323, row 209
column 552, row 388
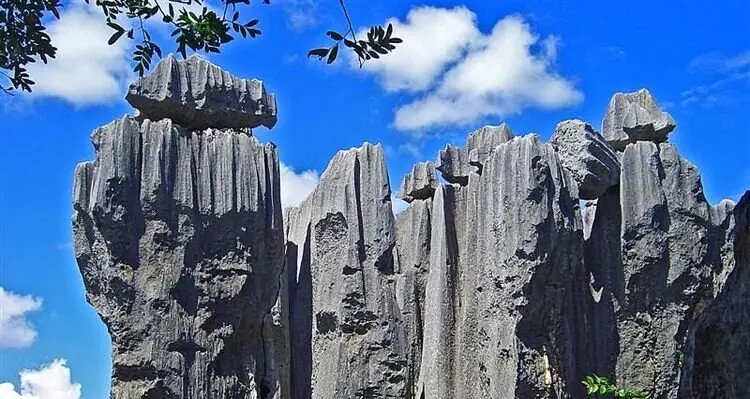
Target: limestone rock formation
column 179, row 239
column 420, row 183
column 635, row 116
column 413, row 235
column 457, row 163
column 718, row 344
column 491, row 274
column 494, row 285
column 350, row 338
column 196, row 94
column 655, row 255
column 587, row 156
column 178, row 235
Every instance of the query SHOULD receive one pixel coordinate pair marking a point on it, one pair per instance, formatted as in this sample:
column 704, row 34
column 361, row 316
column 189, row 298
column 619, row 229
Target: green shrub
column 600, row 386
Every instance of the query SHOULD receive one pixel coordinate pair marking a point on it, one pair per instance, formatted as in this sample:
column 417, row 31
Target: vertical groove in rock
column 413, row 233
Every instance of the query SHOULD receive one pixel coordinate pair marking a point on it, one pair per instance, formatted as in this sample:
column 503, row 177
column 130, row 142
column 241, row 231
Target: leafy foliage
column 23, row 39
column 600, row 386
column 380, row 41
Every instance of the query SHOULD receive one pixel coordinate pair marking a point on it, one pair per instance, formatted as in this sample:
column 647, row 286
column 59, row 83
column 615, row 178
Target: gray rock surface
column 657, row 257
column 496, row 285
column 498, row 276
column 585, row 154
column 457, row 163
column 179, row 239
column 413, row 235
column 635, row 117
column 716, row 356
column 196, row 94
column 420, row 183
column 342, row 238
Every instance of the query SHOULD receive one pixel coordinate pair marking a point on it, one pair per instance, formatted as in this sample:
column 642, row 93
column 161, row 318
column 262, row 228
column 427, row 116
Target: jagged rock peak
column 178, row 237
column 585, row 154
column 420, row 183
column 348, row 339
column 457, row 163
column 634, row 117
column 197, row 94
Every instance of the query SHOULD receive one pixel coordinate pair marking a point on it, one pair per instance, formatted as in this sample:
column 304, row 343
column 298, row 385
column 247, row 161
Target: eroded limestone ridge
column 492, row 284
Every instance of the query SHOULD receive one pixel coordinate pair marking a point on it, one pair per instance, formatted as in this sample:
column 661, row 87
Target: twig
column 348, row 20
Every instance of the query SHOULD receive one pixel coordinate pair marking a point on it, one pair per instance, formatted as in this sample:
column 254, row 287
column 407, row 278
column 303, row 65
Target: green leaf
column 318, row 52
column 334, row 35
column 332, row 55
column 115, row 37
column 115, row 26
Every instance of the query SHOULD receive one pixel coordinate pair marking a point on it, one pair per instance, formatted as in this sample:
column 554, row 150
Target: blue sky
column 529, row 63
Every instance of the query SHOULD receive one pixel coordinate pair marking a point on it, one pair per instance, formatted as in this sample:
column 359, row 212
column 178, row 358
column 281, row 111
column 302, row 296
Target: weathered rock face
column 197, row 94
column 501, row 256
column 458, row 163
column 351, row 341
column 494, row 285
column 716, row 353
column 178, row 235
column 179, row 238
column 587, row 156
column 420, row 183
column 635, row 116
column 655, row 254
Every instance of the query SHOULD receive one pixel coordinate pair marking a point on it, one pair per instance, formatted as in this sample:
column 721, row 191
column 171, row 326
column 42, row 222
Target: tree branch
column 348, row 20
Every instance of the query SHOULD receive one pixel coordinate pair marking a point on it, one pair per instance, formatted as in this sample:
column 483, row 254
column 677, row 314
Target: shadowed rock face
column 197, row 94
column 178, row 235
column 493, row 285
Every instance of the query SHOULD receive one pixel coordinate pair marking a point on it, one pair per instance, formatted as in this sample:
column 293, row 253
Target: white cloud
column 433, row 38
column 728, row 73
column 501, row 75
column 295, row 187
column 467, row 75
column 86, row 69
column 49, row 382
column 15, row 330
column 717, row 62
column 411, row 149
column 301, row 14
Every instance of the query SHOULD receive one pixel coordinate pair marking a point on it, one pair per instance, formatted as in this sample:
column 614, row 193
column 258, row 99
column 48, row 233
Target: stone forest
column 519, row 267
